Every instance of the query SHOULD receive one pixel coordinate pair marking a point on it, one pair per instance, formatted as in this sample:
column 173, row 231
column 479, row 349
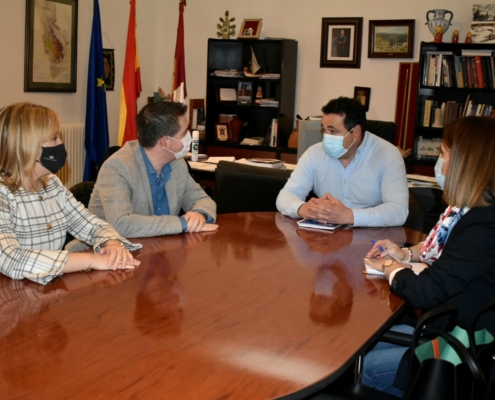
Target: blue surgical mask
column 186, row 142
column 439, row 176
column 333, row 146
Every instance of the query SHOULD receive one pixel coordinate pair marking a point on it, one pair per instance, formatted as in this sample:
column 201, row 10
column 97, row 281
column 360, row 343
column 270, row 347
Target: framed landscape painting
column 391, row 39
column 50, row 52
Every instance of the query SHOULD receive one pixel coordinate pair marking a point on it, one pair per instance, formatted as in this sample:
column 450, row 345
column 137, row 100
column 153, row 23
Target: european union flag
column 96, row 139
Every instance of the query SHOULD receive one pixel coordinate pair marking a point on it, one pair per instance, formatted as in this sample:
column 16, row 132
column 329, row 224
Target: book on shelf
column 448, row 70
column 427, row 112
column 466, row 103
column 479, row 72
column 264, row 162
column 273, row 133
column 312, row 224
column 458, row 72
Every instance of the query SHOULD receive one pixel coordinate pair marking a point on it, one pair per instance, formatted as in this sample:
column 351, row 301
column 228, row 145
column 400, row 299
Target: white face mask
column 439, row 176
column 186, row 142
column 334, row 145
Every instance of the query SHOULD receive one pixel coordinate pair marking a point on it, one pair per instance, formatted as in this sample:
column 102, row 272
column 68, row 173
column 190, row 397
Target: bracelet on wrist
column 112, row 241
column 408, row 249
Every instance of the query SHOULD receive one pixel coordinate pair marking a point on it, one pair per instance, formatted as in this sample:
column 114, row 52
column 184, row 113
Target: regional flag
column 179, row 91
column 131, row 83
column 96, row 129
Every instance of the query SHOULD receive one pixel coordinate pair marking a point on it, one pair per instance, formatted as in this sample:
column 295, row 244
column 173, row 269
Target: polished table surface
column 259, row 309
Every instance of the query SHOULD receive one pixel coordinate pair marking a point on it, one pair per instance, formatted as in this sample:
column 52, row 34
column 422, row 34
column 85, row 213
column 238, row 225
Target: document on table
column 216, row 160
column 203, row 166
column 416, row 267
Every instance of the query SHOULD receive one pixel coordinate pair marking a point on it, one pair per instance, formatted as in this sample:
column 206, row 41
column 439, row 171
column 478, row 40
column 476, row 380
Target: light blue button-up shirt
column 373, row 185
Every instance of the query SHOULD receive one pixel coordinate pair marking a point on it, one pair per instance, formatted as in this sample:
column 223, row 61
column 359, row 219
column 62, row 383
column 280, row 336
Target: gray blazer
column 122, row 195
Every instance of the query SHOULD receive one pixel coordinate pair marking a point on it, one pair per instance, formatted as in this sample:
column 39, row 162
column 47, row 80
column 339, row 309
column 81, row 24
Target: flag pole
column 179, row 91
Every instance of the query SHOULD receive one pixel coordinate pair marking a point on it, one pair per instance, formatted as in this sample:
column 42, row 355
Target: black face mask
column 53, row 158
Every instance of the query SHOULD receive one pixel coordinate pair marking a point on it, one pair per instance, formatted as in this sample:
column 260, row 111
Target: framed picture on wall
column 392, row 38
column 362, row 94
column 341, row 42
column 50, row 53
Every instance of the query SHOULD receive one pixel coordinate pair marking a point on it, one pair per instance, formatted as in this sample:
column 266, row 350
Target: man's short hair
column 156, row 120
column 354, row 111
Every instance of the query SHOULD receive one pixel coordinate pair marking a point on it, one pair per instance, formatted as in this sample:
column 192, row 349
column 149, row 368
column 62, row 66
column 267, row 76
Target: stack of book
column 475, row 68
column 269, row 103
column 253, row 141
column 270, row 76
column 227, row 73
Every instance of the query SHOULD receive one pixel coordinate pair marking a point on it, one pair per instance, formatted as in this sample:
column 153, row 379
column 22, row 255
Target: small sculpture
column 225, row 30
column 469, row 38
column 455, row 36
column 438, row 34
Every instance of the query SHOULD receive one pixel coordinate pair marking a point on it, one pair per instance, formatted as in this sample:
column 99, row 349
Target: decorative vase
column 438, row 20
column 235, row 129
column 294, row 137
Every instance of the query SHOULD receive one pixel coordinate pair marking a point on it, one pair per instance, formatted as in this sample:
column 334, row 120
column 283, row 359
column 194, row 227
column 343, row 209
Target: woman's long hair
column 23, row 129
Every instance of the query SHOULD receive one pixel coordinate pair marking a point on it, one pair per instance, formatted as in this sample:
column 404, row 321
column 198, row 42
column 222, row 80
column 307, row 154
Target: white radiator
column 73, row 170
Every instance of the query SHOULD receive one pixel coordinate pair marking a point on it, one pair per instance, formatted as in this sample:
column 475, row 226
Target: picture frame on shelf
column 222, row 133
column 245, row 92
column 250, row 29
column 341, row 42
column 362, row 94
column 226, row 95
column 393, row 38
column 51, row 68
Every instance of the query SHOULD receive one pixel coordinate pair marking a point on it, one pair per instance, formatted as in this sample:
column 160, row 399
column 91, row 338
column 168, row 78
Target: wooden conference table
column 258, row 310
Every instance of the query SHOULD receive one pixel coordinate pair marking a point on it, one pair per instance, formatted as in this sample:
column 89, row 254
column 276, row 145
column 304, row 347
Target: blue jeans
column 381, row 363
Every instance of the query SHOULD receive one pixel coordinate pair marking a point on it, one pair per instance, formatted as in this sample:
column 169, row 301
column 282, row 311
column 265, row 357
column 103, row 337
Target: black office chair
column 416, row 219
column 431, row 199
column 244, row 188
column 384, row 129
column 443, row 317
column 82, row 192
column 111, row 150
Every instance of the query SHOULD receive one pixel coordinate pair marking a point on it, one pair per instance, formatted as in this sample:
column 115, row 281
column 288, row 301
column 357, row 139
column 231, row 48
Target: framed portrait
column 222, row 132
column 393, row 38
column 362, row 94
column 250, row 29
column 341, row 42
column 109, row 65
column 226, row 95
column 50, row 51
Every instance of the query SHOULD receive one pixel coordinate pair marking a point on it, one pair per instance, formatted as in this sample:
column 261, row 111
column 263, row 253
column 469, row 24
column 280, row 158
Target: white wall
column 156, row 31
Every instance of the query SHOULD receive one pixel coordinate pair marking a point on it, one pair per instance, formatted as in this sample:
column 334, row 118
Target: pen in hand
column 387, row 253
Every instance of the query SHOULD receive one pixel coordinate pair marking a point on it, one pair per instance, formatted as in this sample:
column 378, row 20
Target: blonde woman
column 37, row 211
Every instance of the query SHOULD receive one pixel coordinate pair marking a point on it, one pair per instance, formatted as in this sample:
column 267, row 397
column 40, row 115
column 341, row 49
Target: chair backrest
column 416, row 219
column 384, row 129
column 111, row 150
column 243, row 188
column 82, row 191
column 432, row 200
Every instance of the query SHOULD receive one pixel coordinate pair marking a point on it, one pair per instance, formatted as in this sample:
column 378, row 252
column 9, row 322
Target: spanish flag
column 131, row 83
column 179, row 91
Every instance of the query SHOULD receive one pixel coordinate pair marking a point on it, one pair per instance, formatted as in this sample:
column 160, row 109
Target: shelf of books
column 455, row 80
